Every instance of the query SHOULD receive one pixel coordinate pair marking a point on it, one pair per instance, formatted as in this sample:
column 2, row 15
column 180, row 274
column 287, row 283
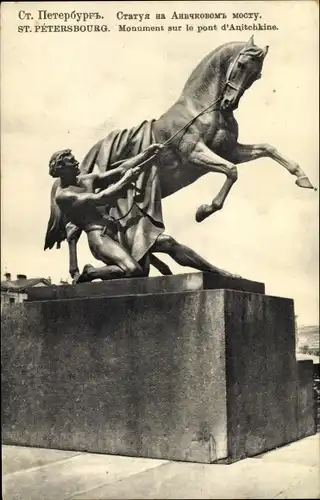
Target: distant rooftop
column 309, row 329
column 22, row 283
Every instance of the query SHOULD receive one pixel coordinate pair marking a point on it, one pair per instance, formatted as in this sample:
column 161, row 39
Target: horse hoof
column 203, row 212
column 304, row 182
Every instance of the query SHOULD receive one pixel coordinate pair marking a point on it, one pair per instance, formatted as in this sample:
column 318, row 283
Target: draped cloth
column 137, row 230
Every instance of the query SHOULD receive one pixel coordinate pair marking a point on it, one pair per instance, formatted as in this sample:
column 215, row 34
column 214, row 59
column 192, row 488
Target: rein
column 168, row 141
column 184, row 128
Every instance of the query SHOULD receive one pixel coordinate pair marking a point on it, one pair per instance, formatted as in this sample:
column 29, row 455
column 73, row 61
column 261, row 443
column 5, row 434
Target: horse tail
column 89, row 161
column 56, row 228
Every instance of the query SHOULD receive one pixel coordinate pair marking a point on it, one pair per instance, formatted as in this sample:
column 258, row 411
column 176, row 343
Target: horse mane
column 205, row 71
column 204, row 65
column 254, row 52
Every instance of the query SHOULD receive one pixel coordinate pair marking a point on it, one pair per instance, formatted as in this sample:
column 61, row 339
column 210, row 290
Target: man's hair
column 58, row 160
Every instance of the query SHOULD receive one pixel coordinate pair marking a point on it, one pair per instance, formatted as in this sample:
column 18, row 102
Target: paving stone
column 78, row 474
column 15, row 458
column 248, row 479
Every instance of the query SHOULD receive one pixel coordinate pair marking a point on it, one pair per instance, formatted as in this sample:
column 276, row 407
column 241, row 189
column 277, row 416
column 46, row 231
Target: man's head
column 63, row 164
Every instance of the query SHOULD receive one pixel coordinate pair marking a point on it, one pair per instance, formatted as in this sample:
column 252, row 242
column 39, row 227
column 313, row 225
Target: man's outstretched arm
column 103, row 198
column 145, row 157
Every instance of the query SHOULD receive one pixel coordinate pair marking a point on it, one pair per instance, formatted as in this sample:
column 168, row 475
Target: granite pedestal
column 207, row 375
column 159, row 284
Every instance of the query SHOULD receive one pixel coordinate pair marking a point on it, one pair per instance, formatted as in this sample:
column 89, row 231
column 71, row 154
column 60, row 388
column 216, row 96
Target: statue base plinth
column 204, row 376
column 157, row 284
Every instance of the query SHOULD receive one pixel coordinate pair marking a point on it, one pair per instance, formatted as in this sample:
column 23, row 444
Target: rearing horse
column 199, row 130
column 210, row 141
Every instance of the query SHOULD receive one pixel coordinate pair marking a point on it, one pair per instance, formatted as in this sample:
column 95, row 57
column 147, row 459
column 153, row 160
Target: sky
column 68, row 90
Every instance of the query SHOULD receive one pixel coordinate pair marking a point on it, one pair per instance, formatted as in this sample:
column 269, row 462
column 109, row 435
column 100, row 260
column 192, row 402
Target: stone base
column 133, row 286
column 202, row 376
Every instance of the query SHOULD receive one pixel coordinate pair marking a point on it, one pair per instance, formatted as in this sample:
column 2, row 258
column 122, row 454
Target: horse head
column 244, row 69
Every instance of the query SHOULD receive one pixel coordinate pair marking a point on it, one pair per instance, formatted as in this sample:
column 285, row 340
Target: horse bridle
column 229, row 73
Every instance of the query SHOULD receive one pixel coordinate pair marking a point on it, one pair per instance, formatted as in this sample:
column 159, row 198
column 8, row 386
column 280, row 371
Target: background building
column 308, row 342
column 17, row 290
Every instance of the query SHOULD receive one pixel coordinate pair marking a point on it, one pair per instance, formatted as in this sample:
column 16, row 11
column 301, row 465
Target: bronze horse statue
column 200, row 134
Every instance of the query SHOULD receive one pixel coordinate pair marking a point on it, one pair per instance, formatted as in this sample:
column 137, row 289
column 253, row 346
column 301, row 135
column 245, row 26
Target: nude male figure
column 78, row 201
column 83, row 206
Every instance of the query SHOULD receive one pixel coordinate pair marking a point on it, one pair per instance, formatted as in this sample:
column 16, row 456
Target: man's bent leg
column 91, row 273
column 119, row 263
column 184, row 255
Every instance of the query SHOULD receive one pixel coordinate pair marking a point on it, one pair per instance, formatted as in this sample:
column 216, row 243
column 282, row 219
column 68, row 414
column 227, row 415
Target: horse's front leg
column 249, row 152
column 202, row 156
